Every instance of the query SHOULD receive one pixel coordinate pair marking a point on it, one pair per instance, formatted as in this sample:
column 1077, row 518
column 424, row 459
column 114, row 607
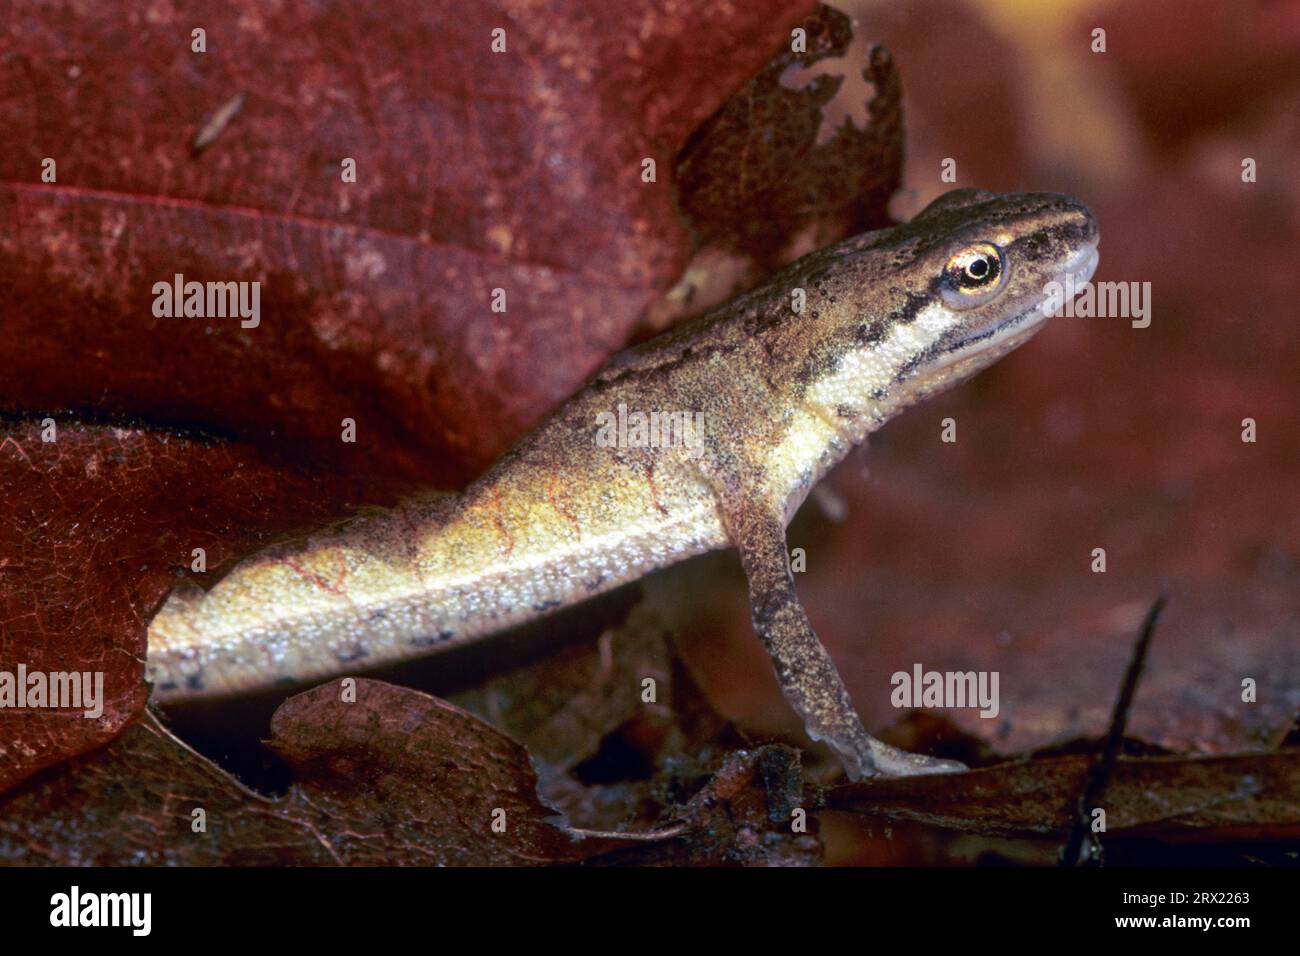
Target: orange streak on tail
column 569, row 515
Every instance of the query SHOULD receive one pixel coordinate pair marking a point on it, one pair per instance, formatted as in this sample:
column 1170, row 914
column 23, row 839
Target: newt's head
column 921, row 307
column 983, row 264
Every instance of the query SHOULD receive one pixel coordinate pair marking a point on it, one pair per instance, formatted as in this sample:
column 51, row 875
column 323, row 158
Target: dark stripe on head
column 913, row 303
column 926, row 355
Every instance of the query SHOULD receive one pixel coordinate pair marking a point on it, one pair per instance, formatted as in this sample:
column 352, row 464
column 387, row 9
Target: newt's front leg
column 805, row 671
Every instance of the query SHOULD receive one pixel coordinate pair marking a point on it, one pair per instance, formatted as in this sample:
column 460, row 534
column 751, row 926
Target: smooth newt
column 889, row 318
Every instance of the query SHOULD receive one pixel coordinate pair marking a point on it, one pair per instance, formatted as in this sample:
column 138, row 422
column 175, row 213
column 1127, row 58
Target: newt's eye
column 973, row 276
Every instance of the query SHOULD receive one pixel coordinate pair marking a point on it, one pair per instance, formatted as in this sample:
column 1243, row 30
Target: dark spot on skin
column 913, row 303
column 597, row 581
column 807, row 373
column 195, row 681
column 168, row 685
column 377, row 615
column 763, row 616
column 879, row 394
column 350, row 654
column 1032, row 247
column 544, row 606
column 429, row 640
column 845, row 411
column 869, row 334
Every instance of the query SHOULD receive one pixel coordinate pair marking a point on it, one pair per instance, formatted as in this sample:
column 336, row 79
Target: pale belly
column 432, row 574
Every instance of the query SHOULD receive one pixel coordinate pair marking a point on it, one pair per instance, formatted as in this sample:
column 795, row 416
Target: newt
column 761, row 398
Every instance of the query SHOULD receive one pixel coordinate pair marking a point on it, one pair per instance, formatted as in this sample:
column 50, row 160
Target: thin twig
column 1099, row 773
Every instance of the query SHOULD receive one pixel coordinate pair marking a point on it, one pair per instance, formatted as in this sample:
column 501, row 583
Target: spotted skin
column 890, row 317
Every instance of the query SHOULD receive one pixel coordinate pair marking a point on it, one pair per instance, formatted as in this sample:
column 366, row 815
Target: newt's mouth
column 1081, row 266
column 1078, row 269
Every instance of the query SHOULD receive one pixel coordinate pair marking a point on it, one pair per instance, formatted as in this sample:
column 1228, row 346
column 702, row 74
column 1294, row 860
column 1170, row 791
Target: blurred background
column 976, row 555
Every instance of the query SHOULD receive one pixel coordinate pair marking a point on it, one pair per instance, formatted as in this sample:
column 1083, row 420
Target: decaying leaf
column 393, row 777
column 1239, row 797
column 95, row 527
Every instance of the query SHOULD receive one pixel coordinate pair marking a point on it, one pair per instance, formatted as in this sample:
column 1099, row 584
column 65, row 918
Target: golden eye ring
column 974, row 275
